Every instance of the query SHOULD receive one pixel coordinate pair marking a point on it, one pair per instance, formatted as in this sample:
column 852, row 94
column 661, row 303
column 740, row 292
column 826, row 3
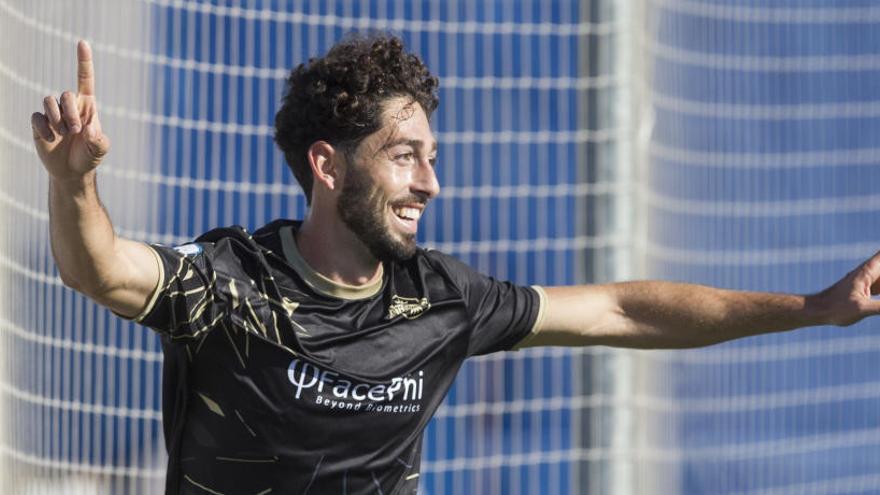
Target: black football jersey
column 278, row 380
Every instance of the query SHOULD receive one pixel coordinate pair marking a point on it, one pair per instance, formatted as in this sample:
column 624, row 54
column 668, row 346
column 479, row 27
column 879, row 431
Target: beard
column 362, row 207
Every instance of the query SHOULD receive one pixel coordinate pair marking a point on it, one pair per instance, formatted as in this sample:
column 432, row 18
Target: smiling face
column 388, row 181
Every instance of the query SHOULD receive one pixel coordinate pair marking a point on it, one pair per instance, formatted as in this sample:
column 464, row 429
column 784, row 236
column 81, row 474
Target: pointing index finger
column 85, row 72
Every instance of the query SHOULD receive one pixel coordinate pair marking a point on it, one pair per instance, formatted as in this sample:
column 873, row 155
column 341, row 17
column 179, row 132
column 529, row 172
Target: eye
column 405, row 157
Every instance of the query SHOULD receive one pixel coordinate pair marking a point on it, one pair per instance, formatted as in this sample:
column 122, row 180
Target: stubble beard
column 362, row 207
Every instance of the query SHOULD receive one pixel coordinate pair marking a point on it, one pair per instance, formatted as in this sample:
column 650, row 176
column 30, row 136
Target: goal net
column 760, row 173
column 187, row 92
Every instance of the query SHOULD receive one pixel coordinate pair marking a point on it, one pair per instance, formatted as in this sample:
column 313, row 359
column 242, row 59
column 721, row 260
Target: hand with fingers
column 68, row 135
column 851, row 299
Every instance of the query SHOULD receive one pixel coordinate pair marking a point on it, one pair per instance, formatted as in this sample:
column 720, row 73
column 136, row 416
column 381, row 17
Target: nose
column 426, row 180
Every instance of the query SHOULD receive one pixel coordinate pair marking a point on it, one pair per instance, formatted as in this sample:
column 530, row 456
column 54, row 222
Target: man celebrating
column 308, row 356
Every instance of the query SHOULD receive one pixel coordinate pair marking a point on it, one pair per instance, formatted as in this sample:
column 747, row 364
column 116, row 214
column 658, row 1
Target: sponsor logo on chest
column 402, row 394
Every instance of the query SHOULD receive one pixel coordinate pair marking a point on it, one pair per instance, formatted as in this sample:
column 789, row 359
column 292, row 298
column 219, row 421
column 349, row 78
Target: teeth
column 408, row 213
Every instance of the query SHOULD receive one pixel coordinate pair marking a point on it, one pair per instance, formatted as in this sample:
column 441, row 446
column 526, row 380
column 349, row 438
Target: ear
column 323, row 160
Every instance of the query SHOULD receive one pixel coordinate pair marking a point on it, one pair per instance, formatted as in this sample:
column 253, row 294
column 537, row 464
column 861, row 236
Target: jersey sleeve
column 503, row 315
column 186, row 301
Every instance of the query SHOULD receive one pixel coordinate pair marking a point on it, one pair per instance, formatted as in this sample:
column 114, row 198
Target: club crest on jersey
column 190, row 250
column 408, row 307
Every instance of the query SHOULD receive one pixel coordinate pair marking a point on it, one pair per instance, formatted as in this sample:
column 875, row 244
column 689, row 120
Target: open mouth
column 407, row 217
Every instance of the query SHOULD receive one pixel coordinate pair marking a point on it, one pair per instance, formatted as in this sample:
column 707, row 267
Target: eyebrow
column 415, row 143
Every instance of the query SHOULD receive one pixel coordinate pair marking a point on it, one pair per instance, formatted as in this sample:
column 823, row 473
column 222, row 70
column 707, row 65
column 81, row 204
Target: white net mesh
column 762, row 167
column 79, row 387
column 187, row 92
column 752, row 167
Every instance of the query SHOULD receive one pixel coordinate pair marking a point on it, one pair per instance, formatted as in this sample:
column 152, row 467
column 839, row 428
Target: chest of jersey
column 353, row 400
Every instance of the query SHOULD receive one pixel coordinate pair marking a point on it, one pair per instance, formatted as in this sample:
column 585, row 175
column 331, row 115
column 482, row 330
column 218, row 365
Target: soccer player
column 308, row 356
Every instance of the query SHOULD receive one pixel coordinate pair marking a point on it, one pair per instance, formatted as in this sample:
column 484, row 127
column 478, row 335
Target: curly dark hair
column 338, row 98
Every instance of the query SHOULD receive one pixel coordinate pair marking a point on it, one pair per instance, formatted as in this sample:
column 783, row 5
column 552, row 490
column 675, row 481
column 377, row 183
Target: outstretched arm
column 654, row 314
column 115, row 272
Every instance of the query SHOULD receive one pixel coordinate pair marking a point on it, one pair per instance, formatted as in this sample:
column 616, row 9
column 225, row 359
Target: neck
column 334, row 251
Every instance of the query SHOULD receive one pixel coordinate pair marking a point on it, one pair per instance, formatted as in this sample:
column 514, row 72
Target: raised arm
column 115, row 272
column 654, row 314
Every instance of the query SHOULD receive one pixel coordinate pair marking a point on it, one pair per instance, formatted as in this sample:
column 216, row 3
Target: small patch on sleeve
column 189, row 250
